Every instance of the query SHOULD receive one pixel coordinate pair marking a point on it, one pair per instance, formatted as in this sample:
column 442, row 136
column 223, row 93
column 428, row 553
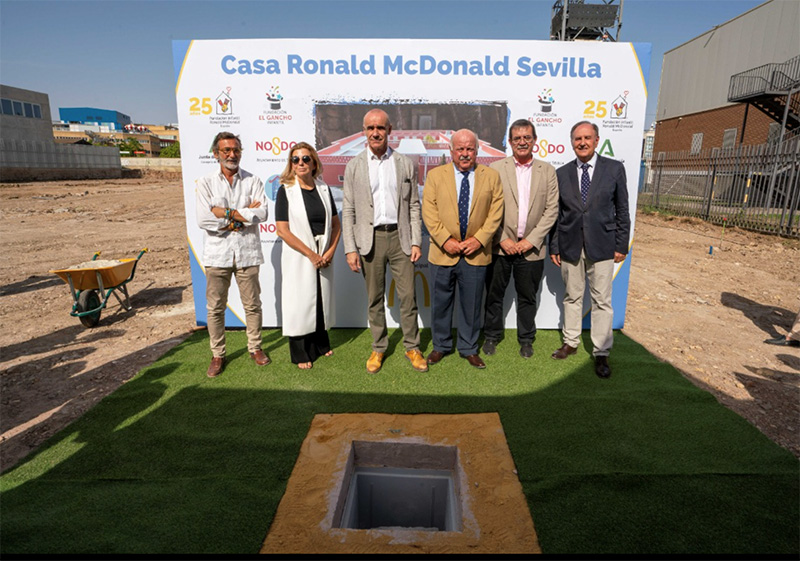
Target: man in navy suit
column 591, row 234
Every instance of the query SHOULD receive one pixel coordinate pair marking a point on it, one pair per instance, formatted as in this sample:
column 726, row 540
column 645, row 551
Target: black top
column 314, row 208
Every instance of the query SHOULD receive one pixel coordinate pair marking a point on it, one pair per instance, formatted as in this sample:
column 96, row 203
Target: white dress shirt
column 226, row 248
column 383, row 183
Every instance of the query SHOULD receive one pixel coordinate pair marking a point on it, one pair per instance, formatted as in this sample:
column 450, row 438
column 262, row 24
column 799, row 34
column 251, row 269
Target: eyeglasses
column 296, row 159
column 518, row 139
column 227, row 151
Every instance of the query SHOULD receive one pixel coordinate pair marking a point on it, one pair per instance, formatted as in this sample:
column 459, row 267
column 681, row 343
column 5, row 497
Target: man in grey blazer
column 381, row 225
column 591, row 234
column 530, row 193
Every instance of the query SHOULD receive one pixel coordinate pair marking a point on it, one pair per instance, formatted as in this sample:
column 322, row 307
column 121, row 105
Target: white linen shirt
column 383, row 183
column 226, row 248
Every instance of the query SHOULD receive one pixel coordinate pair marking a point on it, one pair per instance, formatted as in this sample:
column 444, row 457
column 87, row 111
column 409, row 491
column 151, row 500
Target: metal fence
column 752, row 187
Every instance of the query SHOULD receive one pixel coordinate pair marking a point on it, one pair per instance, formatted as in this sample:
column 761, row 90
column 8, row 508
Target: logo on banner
column 618, row 114
column 275, row 147
column 224, row 103
column 545, row 117
column 620, row 107
column 271, row 186
column 543, row 148
column 272, row 113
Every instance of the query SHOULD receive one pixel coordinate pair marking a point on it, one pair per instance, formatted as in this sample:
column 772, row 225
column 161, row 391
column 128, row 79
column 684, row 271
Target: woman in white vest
column 308, row 224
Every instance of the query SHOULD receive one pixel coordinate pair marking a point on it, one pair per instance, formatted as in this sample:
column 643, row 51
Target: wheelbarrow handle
column 144, row 250
column 96, row 255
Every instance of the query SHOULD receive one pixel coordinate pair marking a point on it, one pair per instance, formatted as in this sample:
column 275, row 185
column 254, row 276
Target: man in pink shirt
column 530, row 193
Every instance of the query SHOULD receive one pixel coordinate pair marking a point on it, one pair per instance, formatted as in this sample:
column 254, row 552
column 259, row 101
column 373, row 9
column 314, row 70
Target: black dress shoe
column 564, row 351
column 435, row 356
column 783, row 341
column 526, row 350
column 601, row 367
column 475, row 360
column 489, row 347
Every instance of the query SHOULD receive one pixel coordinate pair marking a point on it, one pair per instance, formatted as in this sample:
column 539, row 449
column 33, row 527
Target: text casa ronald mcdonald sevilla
column 567, row 67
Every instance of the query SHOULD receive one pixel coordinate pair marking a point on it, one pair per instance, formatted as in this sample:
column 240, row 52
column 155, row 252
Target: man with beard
column 591, row 234
column 230, row 204
column 462, row 206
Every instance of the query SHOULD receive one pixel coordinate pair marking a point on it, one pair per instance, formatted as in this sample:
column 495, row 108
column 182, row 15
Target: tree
column 171, row 151
column 130, row 145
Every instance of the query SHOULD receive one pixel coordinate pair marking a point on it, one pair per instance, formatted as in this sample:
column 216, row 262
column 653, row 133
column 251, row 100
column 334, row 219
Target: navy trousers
column 470, row 281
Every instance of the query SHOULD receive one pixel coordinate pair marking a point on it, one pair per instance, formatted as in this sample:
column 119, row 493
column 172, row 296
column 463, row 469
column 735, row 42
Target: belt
column 386, row 228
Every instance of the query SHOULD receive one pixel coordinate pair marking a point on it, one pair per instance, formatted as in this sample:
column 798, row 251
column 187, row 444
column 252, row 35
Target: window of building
column 774, row 133
column 697, row 143
column 28, row 110
column 17, row 108
column 6, row 104
column 37, row 110
column 729, row 138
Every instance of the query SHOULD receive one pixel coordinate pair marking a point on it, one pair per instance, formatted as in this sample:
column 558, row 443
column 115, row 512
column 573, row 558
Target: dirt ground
column 705, row 314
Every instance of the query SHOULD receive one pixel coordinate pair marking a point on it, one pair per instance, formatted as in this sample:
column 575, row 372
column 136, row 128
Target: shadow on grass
column 173, row 462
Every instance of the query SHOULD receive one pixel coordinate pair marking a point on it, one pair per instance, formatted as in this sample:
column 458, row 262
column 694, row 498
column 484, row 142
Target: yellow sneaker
column 374, row 362
column 418, row 361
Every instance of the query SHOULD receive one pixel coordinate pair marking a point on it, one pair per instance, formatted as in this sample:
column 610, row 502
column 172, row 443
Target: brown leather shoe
column 601, row 367
column 564, row 352
column 216, row 366
column 435, row 357
column 374, row 362
column 418, row 362
column 476, row 361
column 260, row 358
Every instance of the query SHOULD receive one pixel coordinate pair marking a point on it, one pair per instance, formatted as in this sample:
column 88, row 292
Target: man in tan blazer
column 381, row 225
column 462, row 206
column 530, row 194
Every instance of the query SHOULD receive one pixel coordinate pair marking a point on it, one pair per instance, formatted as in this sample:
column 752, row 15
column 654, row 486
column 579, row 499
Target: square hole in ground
column 378, row 483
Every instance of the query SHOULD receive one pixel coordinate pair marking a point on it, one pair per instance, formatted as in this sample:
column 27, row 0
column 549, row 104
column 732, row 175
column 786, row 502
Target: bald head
column 377, row 129
column 464, row 149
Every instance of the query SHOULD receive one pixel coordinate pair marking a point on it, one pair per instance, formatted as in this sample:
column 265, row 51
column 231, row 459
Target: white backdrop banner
column 274, row 93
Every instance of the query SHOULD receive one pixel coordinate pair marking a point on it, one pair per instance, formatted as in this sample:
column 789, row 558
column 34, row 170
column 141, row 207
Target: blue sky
column 116, row 54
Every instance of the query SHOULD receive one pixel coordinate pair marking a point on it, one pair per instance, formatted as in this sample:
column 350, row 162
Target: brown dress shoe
column 475, row 360
column 418, row 362
column 601, row 367
column 374, row 362
column 260, row 358
column 435, row 357
column 564, row 352
column 216, row 366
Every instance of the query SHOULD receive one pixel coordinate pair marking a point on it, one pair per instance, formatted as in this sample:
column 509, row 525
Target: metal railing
column 773, row 78
column 753, row 187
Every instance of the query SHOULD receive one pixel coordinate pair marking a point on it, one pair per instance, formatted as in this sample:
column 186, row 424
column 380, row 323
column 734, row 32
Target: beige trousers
column 218, row 281
column 386, row 249
column 601, row 276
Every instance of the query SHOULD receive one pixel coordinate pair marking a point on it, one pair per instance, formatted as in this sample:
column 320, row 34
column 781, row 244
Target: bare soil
column 705, row 314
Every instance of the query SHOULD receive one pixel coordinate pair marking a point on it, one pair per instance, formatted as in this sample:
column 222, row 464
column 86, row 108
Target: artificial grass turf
column 173, row 462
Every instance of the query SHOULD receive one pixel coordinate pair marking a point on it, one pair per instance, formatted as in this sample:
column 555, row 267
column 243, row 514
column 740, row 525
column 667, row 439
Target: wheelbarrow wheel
column 89, row 300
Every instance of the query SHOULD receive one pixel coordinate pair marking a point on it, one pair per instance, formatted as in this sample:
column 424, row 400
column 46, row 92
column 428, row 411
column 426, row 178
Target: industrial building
column 734, row 84
column 114, row 120
column 27, row 148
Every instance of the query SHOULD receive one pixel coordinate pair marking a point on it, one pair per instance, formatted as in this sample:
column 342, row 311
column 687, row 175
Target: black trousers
column 527, row 276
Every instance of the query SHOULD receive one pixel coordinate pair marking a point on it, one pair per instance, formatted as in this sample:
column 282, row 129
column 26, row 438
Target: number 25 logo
column 595, row 109
column 198, row 106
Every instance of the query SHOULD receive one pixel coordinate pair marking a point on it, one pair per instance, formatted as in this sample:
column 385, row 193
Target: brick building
column 694, row 112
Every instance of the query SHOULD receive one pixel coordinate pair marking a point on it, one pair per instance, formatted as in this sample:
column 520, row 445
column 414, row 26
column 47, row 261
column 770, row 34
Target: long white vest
column 298, row 275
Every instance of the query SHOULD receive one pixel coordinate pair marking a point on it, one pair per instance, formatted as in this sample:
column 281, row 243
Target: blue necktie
column 463, row 205
column 585, row 181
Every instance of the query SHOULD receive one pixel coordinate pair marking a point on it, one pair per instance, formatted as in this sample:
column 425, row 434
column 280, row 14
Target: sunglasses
column 296, row 159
